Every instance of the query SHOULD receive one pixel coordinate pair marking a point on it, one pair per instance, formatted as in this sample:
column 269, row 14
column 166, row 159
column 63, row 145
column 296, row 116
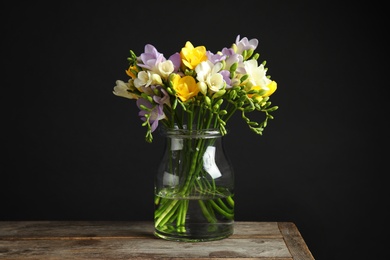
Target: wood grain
column 135, row 240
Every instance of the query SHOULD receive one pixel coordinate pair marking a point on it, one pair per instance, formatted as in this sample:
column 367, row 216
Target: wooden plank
column 101, row 248
column 295, row 242
column 140, row 229
column 75, row 229
column 135, row 240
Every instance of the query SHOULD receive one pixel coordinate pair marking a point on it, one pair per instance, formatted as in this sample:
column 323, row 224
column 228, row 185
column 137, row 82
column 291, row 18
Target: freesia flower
column 257, row 78
column 199, row 84
column 244, row 44
column 123, row 89
column 185, row 87
column 207, row 73
column 192, row 56
column 151, row 113
column 147, row 78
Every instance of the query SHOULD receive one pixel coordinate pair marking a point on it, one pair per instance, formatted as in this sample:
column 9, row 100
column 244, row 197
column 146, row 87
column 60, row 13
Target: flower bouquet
column 192, row 94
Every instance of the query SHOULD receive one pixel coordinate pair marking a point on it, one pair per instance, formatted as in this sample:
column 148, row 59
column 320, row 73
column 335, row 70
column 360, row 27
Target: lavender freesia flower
column 155, row 112
column 244, row 44
column 161, row 97
column 150, row 58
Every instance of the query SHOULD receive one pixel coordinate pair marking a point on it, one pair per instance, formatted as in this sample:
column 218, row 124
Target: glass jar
column 194, row 187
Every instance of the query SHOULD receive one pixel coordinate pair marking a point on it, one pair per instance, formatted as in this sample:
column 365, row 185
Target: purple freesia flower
column 176, row 60
column 214, row 58
column 244, row 44
column 226, row 77
column 150, row 58
column 155, row 112
column 161, row 96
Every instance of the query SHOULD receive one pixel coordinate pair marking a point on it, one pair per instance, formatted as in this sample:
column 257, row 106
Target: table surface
column 135, row 240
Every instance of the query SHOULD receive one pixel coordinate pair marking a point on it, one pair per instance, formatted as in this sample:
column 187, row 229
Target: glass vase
column 194, row 187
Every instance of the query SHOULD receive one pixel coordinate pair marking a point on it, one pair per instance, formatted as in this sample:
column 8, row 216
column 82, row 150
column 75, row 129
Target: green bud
column 233, row 68
column 174, row 104
column 253, row 123
column 253, row 91
column 219, row 93
column 232, row 94
column 223, row 112
column 145, row 108
column 272, row 109
column 207, row 100
column 261, row 92
column 243, row 78
column 189, row 72
column 221, row 122
column 249, row 109
column 257, row 99
column 219, row 102
column 149, row 137
column 237, row 88
column 170, row 81
column 223, row 64
column 147, row 97
column 267, row 104
column 243, row 98
column 170, row 91
column 134, row 72
column 248, row 54
column 256, row 56
column 245, row 54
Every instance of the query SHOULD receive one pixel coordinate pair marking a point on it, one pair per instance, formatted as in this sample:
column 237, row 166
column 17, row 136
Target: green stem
column 206, row 212
column 221, row 211
column 163, row 219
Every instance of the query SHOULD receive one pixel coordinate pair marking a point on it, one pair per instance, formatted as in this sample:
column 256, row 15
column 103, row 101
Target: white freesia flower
column 257, row 75
column 165, row 68
column 147, row 78
column 207, row 72
column 122, row 90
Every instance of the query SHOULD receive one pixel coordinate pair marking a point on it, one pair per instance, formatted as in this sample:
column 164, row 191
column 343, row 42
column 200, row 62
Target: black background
column 71, row 150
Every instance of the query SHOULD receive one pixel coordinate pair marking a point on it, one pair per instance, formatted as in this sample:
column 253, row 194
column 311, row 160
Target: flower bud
column 244, row 77
column 170, row 91
column 232, row 94
column 248, row 54
column 233, row 68
column 219, row 102
column 207, row 100
column 219, row 93
column 223, row 112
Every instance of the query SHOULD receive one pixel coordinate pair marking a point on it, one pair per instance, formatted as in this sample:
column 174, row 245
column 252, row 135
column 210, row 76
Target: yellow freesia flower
column 185, row 87
column 192, row 56
column 130, row 73
column 272, row 86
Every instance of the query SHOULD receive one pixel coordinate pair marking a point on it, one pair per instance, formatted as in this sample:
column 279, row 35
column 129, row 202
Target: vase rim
column 193, row 133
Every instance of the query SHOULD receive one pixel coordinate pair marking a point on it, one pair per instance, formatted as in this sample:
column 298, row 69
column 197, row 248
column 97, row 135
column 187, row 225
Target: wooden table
column 135, row 240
